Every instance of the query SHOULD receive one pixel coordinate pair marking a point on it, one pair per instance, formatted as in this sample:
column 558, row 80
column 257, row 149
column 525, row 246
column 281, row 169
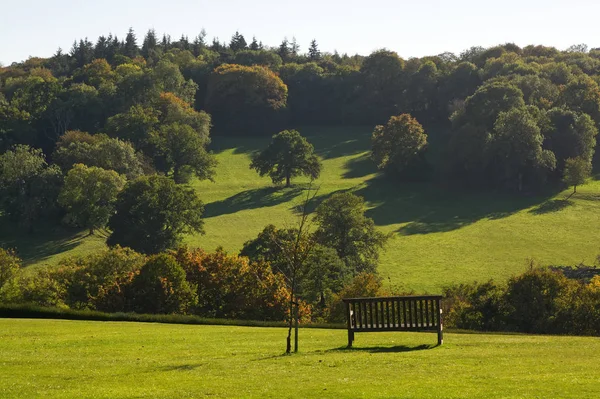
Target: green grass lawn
column 79, row 359
column 440, row 236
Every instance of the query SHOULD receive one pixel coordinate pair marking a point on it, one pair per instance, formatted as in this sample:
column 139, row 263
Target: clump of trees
column 158, row 94
column 322, row 254
column 183, row 281
column 540, row 300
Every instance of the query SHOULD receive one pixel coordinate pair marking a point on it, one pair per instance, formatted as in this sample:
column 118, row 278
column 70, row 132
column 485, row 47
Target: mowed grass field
column 81, row 359
column 439, row 235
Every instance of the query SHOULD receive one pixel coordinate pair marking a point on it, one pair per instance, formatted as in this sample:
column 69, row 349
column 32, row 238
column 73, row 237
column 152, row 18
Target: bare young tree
column 295, row 253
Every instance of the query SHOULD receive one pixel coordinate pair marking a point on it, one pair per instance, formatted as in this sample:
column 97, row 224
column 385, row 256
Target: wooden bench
column 398, row 313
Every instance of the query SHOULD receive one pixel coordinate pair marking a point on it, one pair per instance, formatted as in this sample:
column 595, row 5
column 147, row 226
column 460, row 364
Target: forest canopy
column 505, row 117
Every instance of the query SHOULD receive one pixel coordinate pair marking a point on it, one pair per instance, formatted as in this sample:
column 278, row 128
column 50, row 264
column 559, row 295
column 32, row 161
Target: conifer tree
column 199, row 43
column 131, row 49
column 166, row 42
column 150, row 43
column 284, row 50
column 313, row 51
column 238, row 42
column 101, row 49
column 254, row 45
column 295, row 47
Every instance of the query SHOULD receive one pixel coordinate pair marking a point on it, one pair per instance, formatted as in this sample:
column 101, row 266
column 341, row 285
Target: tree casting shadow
column 551, row 206
column 251, row 199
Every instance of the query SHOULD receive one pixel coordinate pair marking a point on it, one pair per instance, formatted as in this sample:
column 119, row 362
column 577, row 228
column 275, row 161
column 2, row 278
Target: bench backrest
column 400, row 313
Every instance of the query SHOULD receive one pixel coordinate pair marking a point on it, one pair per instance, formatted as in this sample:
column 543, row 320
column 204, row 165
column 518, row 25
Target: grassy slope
column 440, row 236
column 75, row 359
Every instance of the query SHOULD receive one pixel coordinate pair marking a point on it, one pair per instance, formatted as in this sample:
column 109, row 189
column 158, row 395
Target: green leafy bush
column 9, row 265
column 161, row 287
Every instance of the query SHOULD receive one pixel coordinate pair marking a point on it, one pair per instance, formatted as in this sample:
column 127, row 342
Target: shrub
column 363, row 285
column 161, row 287
column 100, row 281
column 9, row 265
column 38, row 288
column 231, row 286
column 531, row 300
column 474, row 306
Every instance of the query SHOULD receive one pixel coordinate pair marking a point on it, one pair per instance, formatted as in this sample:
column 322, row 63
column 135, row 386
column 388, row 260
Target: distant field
column 78, row 359
column 439, row 236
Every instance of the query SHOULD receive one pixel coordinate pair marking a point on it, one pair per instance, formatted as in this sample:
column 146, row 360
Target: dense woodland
column 109, row 134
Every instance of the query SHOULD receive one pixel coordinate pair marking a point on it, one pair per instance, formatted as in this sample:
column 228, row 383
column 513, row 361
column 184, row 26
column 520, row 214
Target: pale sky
column 411, row 28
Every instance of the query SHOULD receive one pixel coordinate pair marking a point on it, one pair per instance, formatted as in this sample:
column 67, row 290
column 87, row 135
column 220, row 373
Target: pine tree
column 101, row 49
column 199, row 43
column 82, row 53
column 150, row 43
column 238, row 42
column 254, row 45
column 313, row 51
column 295, row 49
column 183, row 43
column 131, row 49
column 113, row 47
column 166, row 42
column 284, row 50
column 216, row 45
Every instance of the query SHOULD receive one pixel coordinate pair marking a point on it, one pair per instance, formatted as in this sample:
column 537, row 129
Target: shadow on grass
column 359, row 167
column 384, row 349
column 273, row 357
column 329, row 141
column 551, row 206
column 181, row 367
column 46, row 241
column 252, row 199
column 429, row 208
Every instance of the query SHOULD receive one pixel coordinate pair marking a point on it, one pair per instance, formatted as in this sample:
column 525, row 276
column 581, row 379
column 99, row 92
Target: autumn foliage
column 230, row 286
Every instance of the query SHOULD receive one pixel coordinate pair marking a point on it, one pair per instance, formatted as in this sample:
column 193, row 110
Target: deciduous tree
column 89, row 195
column 29, row 187
column 153, row 213
column 577, row 171
column 289, row 155
column 398, row 144
column 343, row 226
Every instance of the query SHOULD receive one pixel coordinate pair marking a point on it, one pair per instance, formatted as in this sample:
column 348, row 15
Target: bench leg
column 350, row 338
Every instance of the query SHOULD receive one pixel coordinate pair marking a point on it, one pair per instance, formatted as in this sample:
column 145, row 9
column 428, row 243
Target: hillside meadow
column 82, row 359
column 440, row 234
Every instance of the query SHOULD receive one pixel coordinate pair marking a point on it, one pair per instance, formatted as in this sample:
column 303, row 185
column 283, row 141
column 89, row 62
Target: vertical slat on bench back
column 432, row 310
column 387, row 306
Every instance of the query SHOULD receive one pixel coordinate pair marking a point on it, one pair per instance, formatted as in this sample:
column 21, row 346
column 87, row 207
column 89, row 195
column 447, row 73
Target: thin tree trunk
column 288, row 342
column 296, row 329
column 574, row 188
column 287, row 180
